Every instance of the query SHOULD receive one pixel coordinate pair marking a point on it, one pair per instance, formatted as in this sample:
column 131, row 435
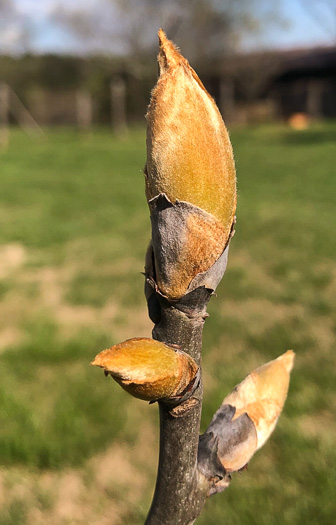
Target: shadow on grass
column 309, row 137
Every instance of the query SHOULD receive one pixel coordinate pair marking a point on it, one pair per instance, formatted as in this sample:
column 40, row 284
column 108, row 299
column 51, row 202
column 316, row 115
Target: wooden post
column 118, row 105
column 84, row 110
column 314, row 99
column 4, row 115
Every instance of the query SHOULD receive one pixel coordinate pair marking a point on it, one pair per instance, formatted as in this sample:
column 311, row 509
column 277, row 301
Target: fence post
column 226, row 98
column 314, row 99
column 84, row 110
column 118, row 105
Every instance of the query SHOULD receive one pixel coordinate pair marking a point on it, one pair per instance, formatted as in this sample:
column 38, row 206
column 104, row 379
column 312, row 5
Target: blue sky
column 302, row 28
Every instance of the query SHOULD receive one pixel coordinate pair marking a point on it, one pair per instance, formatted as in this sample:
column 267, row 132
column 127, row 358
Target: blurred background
column 75, row 81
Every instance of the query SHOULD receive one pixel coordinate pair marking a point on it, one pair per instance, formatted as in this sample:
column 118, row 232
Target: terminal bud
column 190, row 175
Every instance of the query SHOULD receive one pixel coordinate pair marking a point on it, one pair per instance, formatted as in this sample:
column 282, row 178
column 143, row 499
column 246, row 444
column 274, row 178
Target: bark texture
column 178, row 497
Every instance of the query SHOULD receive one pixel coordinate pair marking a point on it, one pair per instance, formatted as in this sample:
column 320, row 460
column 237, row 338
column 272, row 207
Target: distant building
column 275, row 84
column 256, row 87
column 307, row 83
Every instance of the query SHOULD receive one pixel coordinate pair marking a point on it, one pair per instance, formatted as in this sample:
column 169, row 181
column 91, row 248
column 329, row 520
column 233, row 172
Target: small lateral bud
column 148, row 369
column 248, row 415
column 262, row 395
column 189, row 160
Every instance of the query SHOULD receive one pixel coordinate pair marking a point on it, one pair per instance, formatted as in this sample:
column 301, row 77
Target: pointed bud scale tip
column 262, row 395
column 148, row 369
column 169, row 56
column 189, row 159
column 248, row 415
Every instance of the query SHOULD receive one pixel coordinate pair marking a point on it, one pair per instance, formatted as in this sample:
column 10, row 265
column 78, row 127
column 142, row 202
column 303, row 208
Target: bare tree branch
column 323, row 13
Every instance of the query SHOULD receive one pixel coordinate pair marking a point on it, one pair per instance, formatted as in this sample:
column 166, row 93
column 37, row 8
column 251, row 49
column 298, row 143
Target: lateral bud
column 246, row 418
column 150, row 370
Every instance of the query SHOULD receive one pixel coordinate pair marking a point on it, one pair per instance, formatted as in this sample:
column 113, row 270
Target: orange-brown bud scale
column 148, row 369
column 248, row 415
column 262, row 395
column 190, row 159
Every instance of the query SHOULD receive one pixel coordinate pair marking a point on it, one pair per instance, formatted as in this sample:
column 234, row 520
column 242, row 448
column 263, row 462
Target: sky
column 34, row 20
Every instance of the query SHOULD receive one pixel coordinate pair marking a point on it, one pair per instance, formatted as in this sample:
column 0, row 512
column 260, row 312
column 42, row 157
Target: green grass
column 47, row 418
column 77, row 207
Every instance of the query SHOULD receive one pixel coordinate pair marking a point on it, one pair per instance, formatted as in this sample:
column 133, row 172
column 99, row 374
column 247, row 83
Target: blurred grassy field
column 74, row 448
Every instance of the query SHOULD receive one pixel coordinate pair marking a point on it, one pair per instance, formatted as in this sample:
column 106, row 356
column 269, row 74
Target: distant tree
column 323, row 12
column 6, row 7
column 126, row 26
column 15, row 29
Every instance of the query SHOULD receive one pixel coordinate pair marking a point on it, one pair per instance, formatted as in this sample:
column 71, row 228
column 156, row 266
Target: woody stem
column 178, row 499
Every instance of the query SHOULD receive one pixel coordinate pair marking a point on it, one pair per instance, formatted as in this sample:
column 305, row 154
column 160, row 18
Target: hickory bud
column 149, row 370
column 190, row 175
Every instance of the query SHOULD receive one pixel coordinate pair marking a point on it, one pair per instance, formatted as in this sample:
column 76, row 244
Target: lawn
column 74, row 448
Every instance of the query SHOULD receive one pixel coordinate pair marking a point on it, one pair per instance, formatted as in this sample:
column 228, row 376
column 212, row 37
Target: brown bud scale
column 189, row 160
column 148, row 369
